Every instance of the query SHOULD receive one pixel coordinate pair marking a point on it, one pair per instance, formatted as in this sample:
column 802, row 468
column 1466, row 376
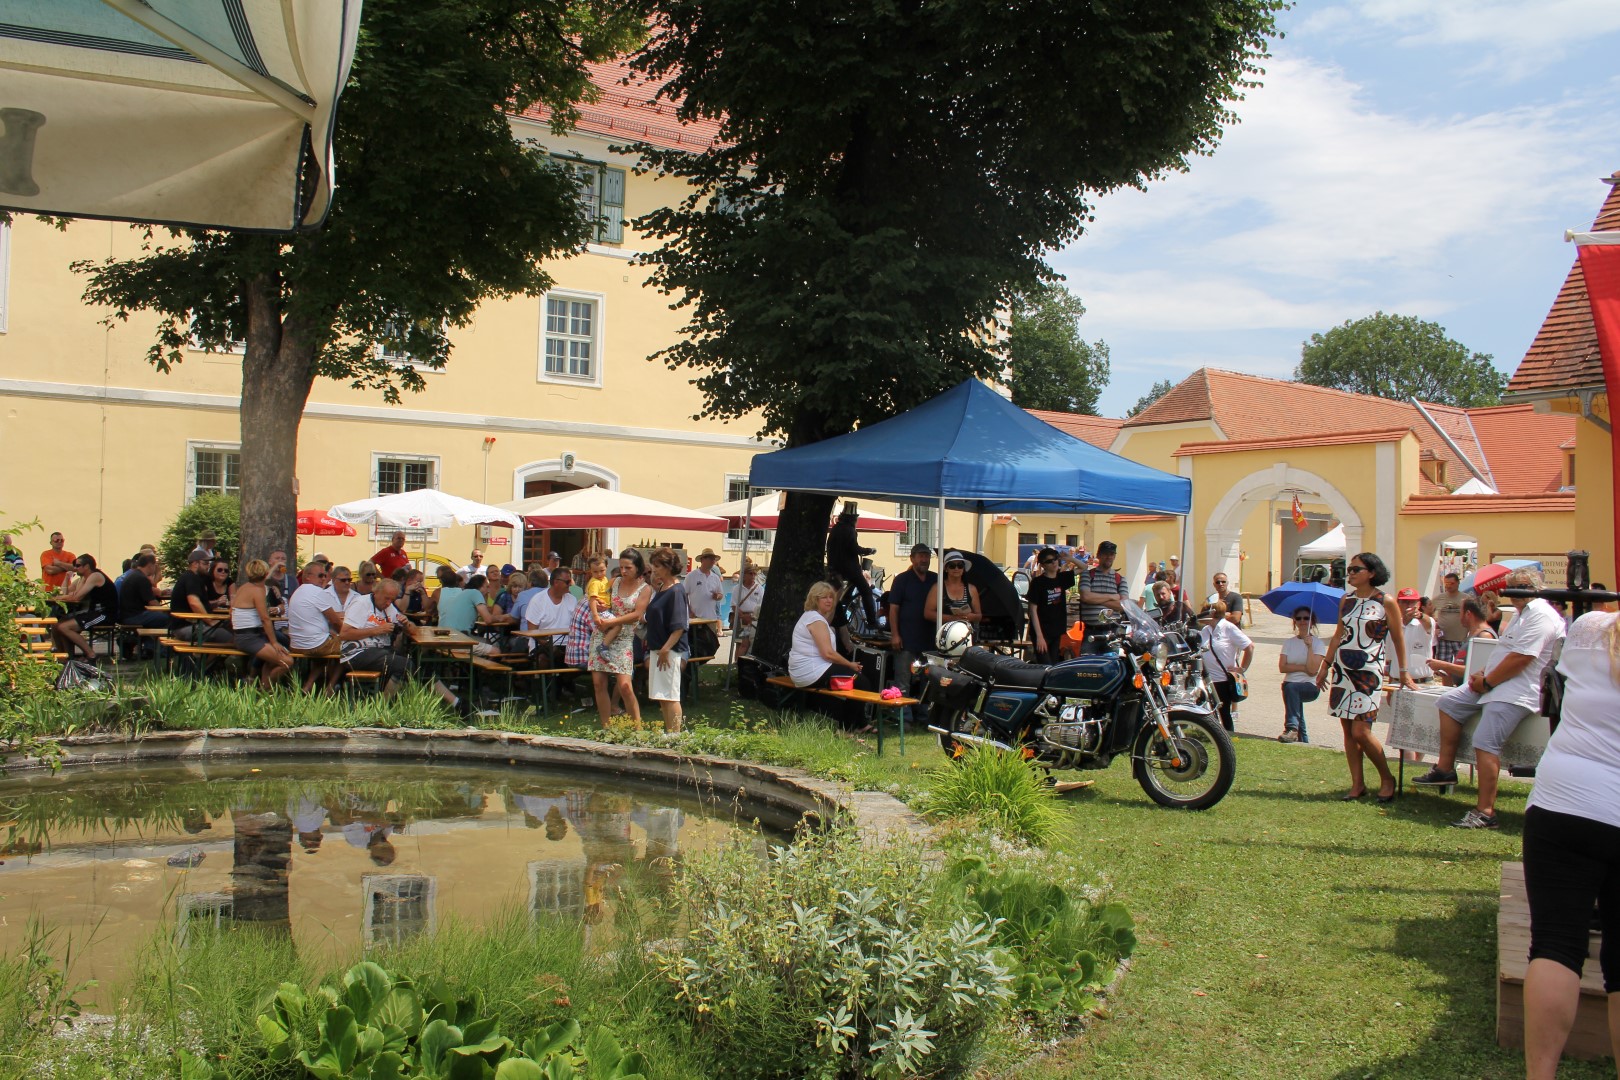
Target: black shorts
column 1570, row 862
column 90, row 618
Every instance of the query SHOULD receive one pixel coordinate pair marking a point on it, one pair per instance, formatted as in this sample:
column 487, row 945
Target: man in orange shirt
column 56, row 563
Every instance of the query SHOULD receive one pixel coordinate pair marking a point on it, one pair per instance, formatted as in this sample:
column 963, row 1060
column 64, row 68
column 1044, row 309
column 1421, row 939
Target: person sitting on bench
column 812, row 658
column 100, row 599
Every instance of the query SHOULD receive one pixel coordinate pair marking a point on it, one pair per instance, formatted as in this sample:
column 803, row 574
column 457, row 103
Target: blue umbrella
column 1289, row 597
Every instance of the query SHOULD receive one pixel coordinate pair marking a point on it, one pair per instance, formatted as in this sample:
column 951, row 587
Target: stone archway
column 1223, row 530
column 570, row 469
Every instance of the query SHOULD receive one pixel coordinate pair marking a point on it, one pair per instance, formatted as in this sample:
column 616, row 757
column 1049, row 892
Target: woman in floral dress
column 1355, row 660
column 627, row 603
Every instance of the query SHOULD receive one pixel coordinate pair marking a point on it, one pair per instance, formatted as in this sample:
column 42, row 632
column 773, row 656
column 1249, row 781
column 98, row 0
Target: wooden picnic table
column 538, row 635
column 212, row 616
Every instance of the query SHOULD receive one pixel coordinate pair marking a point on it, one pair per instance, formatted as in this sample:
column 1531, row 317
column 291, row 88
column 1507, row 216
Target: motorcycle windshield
column 1145, row 633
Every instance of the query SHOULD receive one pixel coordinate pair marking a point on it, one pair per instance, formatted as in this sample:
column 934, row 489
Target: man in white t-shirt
column 552, row 609
column 1501, row 697
column 314, row 617
column 368, row 634
column 704, row 587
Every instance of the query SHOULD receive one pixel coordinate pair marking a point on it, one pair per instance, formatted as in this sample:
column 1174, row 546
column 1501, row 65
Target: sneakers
column 1437, row 777
column 1476, row 819
column 1289, row 736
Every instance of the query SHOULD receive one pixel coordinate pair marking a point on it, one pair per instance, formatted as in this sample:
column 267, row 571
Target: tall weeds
column 1000, row 789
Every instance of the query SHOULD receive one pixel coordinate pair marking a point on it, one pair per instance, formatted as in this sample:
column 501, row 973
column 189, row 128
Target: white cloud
column 1170, row 302
column 1514, row 38
column 1316, row 182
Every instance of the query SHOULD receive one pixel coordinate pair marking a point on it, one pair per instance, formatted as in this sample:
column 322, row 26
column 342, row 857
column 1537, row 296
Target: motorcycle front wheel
column 1208, row 762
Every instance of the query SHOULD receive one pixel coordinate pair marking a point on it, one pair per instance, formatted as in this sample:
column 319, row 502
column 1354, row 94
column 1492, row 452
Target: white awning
column 212, row 113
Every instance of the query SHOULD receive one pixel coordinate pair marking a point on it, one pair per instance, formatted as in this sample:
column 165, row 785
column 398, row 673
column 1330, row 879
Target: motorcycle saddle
column 1003, row 670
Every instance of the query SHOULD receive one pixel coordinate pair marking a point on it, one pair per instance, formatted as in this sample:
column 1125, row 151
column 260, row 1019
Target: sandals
column 1353, row 796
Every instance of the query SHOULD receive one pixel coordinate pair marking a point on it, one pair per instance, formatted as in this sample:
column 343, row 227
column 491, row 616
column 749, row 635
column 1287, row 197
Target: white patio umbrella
column 214, row 113
column 603, row 508
column 424, row 508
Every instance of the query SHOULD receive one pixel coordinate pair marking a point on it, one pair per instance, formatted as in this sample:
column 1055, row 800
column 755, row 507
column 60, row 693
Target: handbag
column 1239, row 681
column 704, row 640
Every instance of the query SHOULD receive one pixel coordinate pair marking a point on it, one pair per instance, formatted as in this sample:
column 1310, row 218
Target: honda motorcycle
column 1121, row 698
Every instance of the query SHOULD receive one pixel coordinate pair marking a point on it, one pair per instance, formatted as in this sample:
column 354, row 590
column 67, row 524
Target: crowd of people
column 607, row 615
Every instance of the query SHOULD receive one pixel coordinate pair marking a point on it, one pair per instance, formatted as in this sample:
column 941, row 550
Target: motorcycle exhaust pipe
column 975, row 740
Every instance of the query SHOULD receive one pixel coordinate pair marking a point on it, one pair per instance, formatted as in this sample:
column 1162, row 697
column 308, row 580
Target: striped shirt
column 1099, row 581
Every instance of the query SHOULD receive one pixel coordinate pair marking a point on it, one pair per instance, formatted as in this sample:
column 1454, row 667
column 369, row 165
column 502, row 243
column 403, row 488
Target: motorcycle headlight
column 1161, row 654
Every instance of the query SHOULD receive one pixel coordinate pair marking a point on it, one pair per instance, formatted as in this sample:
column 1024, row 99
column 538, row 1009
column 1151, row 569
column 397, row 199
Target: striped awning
column 186, row 112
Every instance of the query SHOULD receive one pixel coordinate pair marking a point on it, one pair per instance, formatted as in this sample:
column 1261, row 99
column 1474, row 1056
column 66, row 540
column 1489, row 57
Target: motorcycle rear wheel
column 1209, row 762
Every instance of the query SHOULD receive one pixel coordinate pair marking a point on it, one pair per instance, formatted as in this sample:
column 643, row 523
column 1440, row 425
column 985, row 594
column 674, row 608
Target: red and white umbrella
column 767, row 509
column 320, row 523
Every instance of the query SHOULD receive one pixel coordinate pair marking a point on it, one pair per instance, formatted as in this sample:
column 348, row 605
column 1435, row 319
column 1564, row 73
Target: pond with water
column 339, row 856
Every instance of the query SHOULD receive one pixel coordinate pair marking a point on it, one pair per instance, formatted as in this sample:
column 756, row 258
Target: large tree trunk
column 278, row 371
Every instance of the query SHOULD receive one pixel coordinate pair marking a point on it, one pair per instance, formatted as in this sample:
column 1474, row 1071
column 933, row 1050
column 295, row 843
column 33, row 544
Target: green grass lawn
column 1285, row 933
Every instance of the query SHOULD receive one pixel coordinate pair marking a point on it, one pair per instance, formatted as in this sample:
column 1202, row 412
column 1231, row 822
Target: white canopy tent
column 215, row 113
column 1475, row 486
column 1330, row 545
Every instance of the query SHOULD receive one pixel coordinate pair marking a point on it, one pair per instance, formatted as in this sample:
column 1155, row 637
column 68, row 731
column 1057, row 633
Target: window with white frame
column 5, row 274
column 213, row 469
column 232, row 348
column 601, row 197
column 920, row 522
column 571, row 338
column 395, row 347
column 737, row 488
column 395, row 474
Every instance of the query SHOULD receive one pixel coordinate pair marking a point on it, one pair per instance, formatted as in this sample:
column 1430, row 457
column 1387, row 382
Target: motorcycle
column 1119, row 698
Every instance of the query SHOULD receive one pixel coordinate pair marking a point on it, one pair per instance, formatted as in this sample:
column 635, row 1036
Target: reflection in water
column 340, row 857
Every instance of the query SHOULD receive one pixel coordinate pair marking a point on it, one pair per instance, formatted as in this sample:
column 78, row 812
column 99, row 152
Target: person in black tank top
column 99, row 599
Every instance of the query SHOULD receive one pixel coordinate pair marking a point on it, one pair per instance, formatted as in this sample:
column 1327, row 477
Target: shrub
column 1062, row 940
column 1001, row 790
column 222, row 513
column 831, row 961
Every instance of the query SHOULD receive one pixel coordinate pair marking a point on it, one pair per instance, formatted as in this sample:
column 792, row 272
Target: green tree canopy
column 440, row 205
column 1398, row 356
column 888, row 178
column 1155, row 392
column 1053, row 367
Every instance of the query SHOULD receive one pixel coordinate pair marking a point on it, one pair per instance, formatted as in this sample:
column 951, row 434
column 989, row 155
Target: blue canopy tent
column 971, row 449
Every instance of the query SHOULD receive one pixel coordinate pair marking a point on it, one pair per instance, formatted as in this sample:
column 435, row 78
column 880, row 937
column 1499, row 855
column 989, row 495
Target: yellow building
column 541, row 394
column 1562, row 373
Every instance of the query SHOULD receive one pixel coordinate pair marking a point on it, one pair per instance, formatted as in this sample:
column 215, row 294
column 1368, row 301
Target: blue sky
column 1420, row 157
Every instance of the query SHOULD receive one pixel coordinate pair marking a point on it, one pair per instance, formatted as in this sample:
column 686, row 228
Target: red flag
column 1600, row 264
column 1299, row 516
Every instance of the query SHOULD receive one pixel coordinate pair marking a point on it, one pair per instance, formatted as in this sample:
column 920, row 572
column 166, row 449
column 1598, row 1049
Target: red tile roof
column 1524, row 447
column 1489, row 504
column 1252, row 407
column 1564, row 355
column 1332, row 438
column 626, row 111
column 1099, row 431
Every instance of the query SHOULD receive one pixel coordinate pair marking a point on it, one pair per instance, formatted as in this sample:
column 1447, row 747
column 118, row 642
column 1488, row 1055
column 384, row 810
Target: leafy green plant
column 381, row 1026
column 1001, row 790
column 830, row 961
column 1060, row 940
column 221, row 513
column 22, row 677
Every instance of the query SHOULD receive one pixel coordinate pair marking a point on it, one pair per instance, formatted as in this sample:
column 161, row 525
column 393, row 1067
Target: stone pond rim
column 780, row 797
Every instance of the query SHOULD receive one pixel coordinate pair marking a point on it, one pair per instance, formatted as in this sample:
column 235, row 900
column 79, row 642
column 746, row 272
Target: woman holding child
column 612, row 658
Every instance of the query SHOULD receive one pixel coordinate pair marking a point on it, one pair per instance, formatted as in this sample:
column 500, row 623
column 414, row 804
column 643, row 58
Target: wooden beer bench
column 865, row 698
